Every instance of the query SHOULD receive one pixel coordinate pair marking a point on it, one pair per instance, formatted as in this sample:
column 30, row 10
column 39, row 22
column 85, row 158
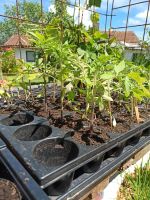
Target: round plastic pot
column 94, row 165
column 115, row 151
column 17, row 119
column 55, row 153
column 134, row 140
column 32, row 132
column 61, row 186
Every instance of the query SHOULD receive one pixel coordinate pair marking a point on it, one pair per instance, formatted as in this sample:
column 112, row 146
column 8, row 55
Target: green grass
column 136, row 186
column 38, row 80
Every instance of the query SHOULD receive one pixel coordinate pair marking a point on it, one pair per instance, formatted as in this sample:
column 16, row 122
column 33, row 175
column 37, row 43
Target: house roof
column 128, row 36
column 13, row 41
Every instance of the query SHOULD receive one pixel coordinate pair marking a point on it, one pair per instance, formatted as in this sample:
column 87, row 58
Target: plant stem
column 92, row 118
column 30, row 90
column 30, row 86
column 54, row 90
column 45, row 93
column 93, row 106
column 62, row 100
column 132, row 107
column 86, row 109
column 110, row 113
column 109, row 106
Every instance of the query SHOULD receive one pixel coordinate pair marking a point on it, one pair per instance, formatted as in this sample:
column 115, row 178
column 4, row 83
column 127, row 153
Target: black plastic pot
column 116, row 151
column 146, row 132
column 32, row 132
column 55, row 153
column 60, row 187
column 17, row 119
column 94, row 165
column 134, row 140
column 52, row 157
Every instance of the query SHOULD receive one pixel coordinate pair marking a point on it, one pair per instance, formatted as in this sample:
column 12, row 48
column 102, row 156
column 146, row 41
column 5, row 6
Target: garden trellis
column 75, row 108
column 109, row 15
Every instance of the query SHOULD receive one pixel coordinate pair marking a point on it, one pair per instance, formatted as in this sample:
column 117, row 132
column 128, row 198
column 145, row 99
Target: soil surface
column 73, row 120
column 8, row 190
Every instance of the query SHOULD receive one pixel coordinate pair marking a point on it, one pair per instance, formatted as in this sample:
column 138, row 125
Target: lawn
column 38, row 79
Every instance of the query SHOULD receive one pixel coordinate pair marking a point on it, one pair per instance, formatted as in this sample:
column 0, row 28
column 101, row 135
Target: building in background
column 130, row 42
column 21, row 46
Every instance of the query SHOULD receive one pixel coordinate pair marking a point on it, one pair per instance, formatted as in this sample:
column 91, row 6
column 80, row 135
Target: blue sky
column 137, row 13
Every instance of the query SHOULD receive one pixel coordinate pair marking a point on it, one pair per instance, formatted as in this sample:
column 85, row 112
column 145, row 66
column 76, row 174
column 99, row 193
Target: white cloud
column 139, row 18
column 118, row 3
column 81, row 15
column 133, row 21
column 52, row 8
column 142, row 15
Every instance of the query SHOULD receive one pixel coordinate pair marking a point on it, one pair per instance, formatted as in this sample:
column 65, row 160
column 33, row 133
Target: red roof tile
column 13, row 41
column 120, row 36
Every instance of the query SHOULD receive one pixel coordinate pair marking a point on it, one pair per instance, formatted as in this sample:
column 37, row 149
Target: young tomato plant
column 43, row 41
column 4, row 91
column 65, row 63
column 134, row 87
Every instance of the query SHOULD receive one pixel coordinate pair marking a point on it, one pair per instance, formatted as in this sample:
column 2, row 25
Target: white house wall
column 128, row 53
column 23, row 53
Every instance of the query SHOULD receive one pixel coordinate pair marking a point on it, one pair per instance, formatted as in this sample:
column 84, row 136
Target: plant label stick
column 137, row 114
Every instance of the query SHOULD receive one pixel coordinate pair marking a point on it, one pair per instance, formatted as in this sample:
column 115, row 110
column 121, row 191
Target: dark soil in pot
column 73, row 120
column 32, row 132
column 6, row 177
column 55, row 153
column 17, row 119
column 8, row 190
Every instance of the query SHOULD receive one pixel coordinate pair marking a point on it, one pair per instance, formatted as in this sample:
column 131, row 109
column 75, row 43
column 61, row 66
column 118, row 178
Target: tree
column 30, row 11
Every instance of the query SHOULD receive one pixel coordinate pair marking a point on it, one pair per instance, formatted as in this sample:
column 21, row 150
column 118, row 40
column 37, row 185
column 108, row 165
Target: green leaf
column 71, row 96
column 80, row 52
column 89, row 38
column 127, row 86
column 120, row 67
column 107, row 76
column 32, row 76
column 137, row 95
column 40, row 95
column 136, row 77
column 88, row 82
column 146, row 92
column 96, row 3
column 2, row 92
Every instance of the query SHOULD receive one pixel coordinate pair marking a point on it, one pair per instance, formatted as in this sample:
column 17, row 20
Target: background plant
column 136, row 185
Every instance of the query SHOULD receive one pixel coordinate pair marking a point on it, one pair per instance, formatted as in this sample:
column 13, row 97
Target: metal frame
column 109, row 13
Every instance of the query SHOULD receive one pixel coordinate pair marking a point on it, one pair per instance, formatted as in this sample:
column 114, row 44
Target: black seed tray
column 24, row 181
column 80, row 186
column 2, row 144
column 53, row 157
column 86, row 182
